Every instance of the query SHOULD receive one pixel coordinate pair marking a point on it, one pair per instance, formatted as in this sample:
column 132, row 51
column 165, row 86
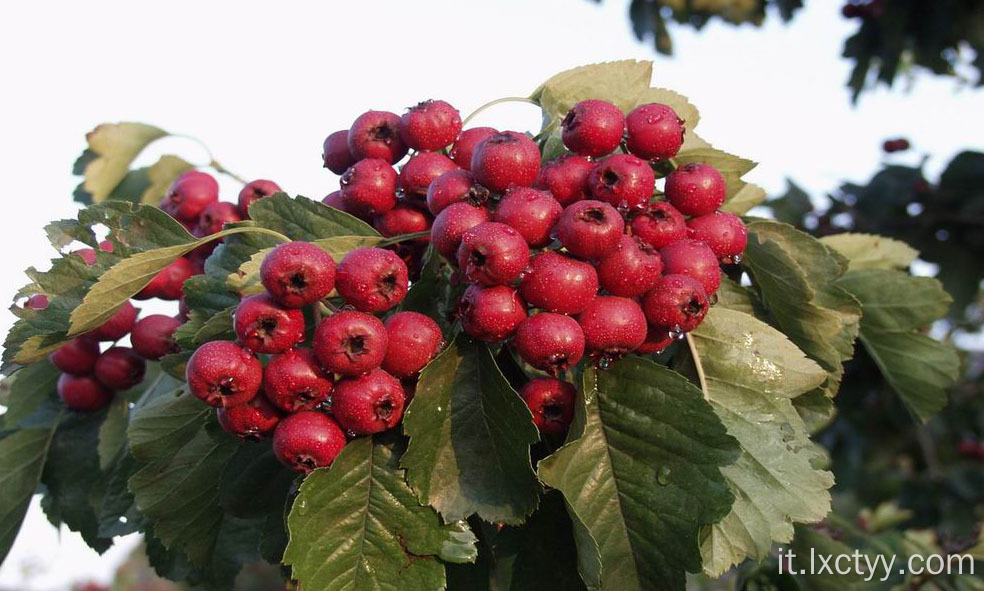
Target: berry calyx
column 659, row 225
column 369, row 187
column 335, row 152
column 307, row 440
column 298, row 273
column 696, row 189
column 189, row 195
column 464, row 146
column 504, row 160
column 695, row 259
column 254, row 191
column 367, row 404
column 414, row 339
column 530, row 212
column 613, row 326
column 455, row 186
column 372, row 279
column 490, row 313
column 294, row 380
column 723, row 232
column 120, row 368
column 118, row 326
column 223, row 374
column 152, row 336
column 251, row 421
column 623, row 181
column 451, row 224
column 654, row 131
column 430, row 125
column 557, row 283
column 551, row 342
column 376, row 134
column 631, row 270
column 552, row 403
column 590, row 229
column 677, row 303
column 593, row 128
column 566, row 177
column 492, row 254
column 83, row 393
column 350, row 343
column 77, row 356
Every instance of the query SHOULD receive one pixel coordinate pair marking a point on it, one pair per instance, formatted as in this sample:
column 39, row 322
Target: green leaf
column 357, row 525
column 27, row 389
column 433, row 293
column 744, row 199
column 641, row 474
column 896, row 307
column 808, row 542
column 22, row 456
column 304, row 219
column 868, row 251
column 112, row 148
column 469, row 439
column 112, row 433
column 751, row 374
column 202, row 327
column 255, row 483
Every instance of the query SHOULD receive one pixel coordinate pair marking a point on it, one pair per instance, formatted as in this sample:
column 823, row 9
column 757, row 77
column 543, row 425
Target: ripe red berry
column 414, row 339
column 335, row 152
column 557, row 283
column 530, row 212
column 455, row 186
column 295, row 380
column 493, row 254
column 694, row 259
column 723, row 232
column 307, row 440
column 504, row 160
column 168, row 284
column 593, row 128
column 551, row 342
column 657, row 340
column 630, row 270
column 369, row 403
column 696, row 188
column 37, row 301
column 490, row 313
column 451, row 224
column 223, row 374
column 566, row 177
column 120, row 368
column 372, row 279
column 612, row 326
column 421, row 170
column 654, row 131
column 153, row 336
column 251, row 421
column 430, row 125
column 677, row 302
column 77, row 356
column 118, row 326
column 350, row 343
column 297, row 274
column 189, row 195
column 968, row 447
column 369, row 187
column 623, row 181
column 334, row 199
column 88, row 255
column 590, row 229
column 254, row 191
column 376, row 134
column 403, row 219
column 464, row 146
column 660, row 225
column 83, row 393
column 552, row 403
column 264, row 326
column 214, row 217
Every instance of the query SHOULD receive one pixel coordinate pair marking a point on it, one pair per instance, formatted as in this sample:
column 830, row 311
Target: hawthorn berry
column 152, row 336
column 294, row 380
column 678, row 302
column 552, row 403
column 189, row 195
column 723, row 232
column 77, row 356
column 566, row 177
column 369, row 187
column 307, row 440
column 367, row 404
column 37, row 301
column 630, row 270
column 335, row 152
column 550, row 342
column 334, row 199
column 414, row 339
column 251, row 421
column 455, row 186
column 298, row 273
column 83, row 393
column 403, row 219
column 214, row 217
column 464, row 146
column 590, row 229
column 350, row 342
column 118, row 326
column 168, row 283
column 623, row 181
column 376, row 135
column 223, row 374
column 451, row 224
column 613, row 326
column 696, row 189
column 430, row 125
column 530, row 212
column 654, row 131
column 254, row 191
column 120, row 368
column 657, row 340
column 372, row 279
column 88, row 255
column 593, row 128
column 504, row 160
column 557, row 283
column 264, row 326
column 493, row 254
column 695, row 259
column 490, row 313
column 659, row 225
column 421, row 170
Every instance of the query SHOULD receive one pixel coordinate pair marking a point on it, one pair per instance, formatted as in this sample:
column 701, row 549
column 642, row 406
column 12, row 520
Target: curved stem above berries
column 212, row 162
column 505, row 99
column 698, row 365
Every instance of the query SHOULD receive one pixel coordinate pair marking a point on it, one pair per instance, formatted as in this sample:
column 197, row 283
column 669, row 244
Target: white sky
column 262, row 83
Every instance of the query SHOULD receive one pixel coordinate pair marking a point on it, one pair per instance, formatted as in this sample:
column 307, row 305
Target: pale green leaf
column 869, row 251
column 112, row 148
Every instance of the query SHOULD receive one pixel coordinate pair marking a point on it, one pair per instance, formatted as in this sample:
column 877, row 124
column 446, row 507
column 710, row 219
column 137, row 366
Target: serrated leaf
column 22, row 457
column 27, row 389
column 112, row 148
column 357, row 525
column 304, row 219
column 641, row 473
column 112, row 433
column 869, row 251
column 255, row 483
column 202, row 327
column 160, row 175
column 469, row 439
column 751, row 374
column 747, row 197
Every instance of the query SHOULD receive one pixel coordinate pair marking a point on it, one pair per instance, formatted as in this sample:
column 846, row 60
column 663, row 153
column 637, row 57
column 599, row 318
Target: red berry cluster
column 346, row 383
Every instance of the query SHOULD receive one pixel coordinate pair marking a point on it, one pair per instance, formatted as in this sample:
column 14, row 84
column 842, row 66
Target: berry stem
column 698, row 365
column 243, row 230
column 404, row 238
column 505, row 99
column 212, row 162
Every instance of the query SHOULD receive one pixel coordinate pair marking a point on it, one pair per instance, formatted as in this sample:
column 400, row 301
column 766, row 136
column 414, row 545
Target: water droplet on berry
column 351, row 434
column 736, row 259
column 663, row 475
column 604, row 363
column 676, row 333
